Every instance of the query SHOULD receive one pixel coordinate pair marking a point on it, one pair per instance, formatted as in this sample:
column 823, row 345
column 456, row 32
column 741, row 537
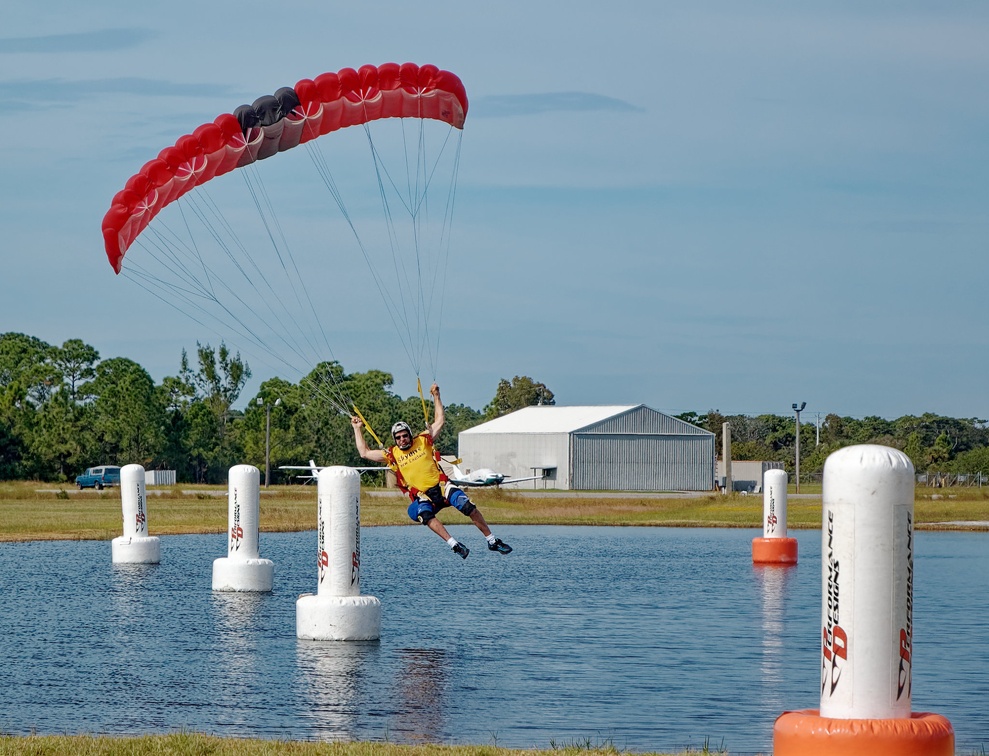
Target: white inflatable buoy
column 338, row 611
column 867, row 583
column 135, row 546
column 774, row 547
column 242, row 569
column 867, row 576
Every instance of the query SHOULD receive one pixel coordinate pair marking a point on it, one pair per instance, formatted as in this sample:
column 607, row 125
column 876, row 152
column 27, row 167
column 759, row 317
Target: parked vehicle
column 99, row 477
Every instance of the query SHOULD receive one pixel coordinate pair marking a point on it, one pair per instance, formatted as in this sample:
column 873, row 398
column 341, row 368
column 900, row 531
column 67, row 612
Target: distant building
column 607, row 448
column 746, row 474
column 159, row 477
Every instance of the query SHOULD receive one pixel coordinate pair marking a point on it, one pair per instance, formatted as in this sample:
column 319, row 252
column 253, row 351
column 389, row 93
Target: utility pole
column 726, row 456
column 267, row 437
column 798, row 410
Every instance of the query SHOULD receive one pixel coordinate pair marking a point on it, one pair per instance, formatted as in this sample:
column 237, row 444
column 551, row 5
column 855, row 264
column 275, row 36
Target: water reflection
column 127, row 624
column 235, row 665
column 236, row 614
column 332, row 681
column 422, row 675
column 774, row 587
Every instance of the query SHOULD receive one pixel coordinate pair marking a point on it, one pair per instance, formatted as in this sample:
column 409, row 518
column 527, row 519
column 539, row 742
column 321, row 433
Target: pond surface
column 644, row 638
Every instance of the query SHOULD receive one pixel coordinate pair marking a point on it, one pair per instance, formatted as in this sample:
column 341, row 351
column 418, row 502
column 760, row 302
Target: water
column 644, row 638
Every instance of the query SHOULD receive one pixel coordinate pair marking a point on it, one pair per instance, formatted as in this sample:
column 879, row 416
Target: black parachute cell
column 247, row 117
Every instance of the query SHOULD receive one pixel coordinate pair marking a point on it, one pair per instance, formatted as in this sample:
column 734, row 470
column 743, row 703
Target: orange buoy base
column 774, row 550
column 807, row 733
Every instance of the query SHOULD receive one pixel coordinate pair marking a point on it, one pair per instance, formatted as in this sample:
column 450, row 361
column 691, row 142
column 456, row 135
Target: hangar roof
column 550, row 419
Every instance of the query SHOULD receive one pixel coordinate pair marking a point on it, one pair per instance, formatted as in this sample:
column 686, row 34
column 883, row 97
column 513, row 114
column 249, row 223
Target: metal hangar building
column 596, row 448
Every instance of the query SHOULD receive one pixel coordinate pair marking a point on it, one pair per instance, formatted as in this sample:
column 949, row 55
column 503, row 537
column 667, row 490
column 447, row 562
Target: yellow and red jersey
column 416, row 468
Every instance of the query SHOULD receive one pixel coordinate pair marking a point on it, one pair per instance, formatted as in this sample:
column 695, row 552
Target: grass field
column 37, row 511
column 196, row 744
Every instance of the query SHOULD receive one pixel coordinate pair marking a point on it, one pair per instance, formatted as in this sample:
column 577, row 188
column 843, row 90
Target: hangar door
column 642, row 462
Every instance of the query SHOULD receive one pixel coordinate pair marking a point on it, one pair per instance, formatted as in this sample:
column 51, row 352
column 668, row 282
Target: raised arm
column 439, row 418
column 372, row 455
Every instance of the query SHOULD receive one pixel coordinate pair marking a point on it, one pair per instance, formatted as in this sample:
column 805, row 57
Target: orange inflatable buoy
column 806, row 733
column 774, row 550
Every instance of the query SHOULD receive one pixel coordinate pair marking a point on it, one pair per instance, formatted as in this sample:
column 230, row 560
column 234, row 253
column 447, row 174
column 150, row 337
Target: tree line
column 935, row 444
column 63, row 409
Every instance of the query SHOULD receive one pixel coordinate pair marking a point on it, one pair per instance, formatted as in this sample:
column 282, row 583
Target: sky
column 687, row 205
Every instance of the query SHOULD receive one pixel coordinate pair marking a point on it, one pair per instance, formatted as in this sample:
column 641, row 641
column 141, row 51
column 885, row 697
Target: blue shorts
column 424, row 509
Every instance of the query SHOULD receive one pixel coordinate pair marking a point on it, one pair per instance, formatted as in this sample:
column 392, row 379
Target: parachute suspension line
column 398, row 264
column 297, row 282
column 203, row 214
column 416, row 206
column 157, row 288
column 170, row 245
column 398, row 303
column 194, row 289
column 434, row 292
column 401, row 276
column 423, row 321
column 411, row 340
column 258, row 194
column 417, row 193
column 293, row 276
column 194, row 248
column 325, row 385
column 148, row 283
column 319, row 161
column 205, row 289
column 193, row 294
column 446, row 241
column 194, row 252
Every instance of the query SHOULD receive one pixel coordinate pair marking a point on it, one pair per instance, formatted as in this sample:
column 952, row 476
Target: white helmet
column 398, row 428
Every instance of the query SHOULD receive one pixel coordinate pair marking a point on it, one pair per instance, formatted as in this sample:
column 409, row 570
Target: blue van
column 99, row 477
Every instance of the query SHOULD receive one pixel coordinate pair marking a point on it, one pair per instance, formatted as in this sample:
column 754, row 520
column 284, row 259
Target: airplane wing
column 469, row 483
column 519, row 480
column 314, row 468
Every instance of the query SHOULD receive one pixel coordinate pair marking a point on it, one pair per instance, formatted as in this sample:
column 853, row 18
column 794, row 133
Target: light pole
column 798, row 410
column 267, row 437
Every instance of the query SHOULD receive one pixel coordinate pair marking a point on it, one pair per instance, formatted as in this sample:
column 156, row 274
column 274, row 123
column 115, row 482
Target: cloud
column 55, row 92
column 96, row 41
column 507, row 106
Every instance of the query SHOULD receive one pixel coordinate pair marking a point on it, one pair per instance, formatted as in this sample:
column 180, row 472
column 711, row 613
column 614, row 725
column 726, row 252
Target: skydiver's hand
column 434, row 390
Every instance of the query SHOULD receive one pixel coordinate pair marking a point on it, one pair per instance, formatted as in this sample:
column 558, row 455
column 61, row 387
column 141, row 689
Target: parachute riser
column 369, row 428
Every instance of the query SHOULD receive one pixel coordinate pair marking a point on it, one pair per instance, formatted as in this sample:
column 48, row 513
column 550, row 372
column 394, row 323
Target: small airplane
column 314, row 469
column 484, row 476
column 479, row 478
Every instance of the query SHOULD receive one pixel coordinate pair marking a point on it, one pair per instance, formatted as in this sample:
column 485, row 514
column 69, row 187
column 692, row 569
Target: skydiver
column 415, row 462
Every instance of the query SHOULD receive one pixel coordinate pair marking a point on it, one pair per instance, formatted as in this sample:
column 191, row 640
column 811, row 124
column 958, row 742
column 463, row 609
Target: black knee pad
column 420, row 512
column 459, row 500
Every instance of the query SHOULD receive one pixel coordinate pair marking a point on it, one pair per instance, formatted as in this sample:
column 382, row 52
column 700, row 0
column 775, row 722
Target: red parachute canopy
column 274, row 123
